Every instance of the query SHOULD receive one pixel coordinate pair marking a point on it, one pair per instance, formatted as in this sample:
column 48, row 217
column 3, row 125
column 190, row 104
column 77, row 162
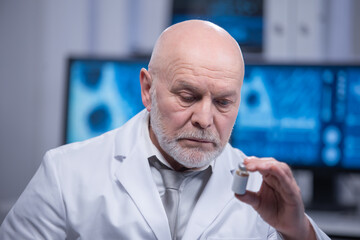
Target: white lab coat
column 103, row 189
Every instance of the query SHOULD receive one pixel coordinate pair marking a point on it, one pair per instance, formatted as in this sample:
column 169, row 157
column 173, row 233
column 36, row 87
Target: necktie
column 170, row 199
column 172, row 181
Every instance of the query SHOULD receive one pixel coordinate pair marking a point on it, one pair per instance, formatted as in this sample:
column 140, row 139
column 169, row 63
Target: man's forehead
column 215, row 87
column 198, row 65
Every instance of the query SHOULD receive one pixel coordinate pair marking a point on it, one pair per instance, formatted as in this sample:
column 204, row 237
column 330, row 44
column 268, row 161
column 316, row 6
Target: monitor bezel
column 252, row 62
column 69, row 62
column 295, row 63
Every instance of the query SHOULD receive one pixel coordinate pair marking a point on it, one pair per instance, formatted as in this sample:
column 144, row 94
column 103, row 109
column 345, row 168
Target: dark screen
column 243, row 19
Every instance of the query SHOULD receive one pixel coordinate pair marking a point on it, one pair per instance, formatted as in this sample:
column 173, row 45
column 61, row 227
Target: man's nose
column 202, row 116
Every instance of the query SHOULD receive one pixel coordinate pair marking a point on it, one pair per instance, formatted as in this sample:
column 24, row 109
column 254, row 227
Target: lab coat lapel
column 214, row 198
column 133, row 172
column 136, row 178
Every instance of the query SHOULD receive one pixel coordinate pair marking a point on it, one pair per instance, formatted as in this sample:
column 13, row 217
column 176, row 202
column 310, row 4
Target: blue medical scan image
column 102, row 95
column 305, row 115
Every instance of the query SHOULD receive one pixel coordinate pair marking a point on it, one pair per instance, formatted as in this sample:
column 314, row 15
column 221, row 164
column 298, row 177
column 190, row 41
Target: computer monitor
column 243, row 19
column 102, row 94
column 305, row 115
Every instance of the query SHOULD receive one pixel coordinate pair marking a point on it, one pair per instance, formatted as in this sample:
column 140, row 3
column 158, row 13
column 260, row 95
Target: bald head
column 195, row 41
column 192, row 91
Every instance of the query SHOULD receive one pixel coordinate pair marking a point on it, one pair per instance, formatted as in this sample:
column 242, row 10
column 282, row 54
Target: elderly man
column 167, row 173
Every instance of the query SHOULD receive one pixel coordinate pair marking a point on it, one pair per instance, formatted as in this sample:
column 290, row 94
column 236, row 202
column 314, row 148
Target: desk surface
column 339, row 224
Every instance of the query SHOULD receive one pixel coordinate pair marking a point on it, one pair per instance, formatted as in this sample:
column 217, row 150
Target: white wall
column 20, row 65
column 36, row 38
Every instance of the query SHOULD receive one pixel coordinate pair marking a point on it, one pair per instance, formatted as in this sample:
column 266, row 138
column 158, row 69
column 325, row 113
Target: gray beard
column 188, row 157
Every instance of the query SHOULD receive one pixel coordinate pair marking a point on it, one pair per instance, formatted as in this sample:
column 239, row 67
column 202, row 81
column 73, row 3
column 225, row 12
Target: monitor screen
column 243, row 19
column 102, row 95
column 305, row 115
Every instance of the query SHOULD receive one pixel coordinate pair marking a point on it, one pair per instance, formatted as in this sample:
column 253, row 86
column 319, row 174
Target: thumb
column 250, row 198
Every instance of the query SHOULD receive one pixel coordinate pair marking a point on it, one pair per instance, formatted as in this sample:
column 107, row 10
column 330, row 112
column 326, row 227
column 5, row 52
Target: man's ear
column 145, row 82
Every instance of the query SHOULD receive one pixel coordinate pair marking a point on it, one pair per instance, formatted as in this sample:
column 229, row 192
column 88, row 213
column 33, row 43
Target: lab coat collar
column 133, row 173
column 214, row 198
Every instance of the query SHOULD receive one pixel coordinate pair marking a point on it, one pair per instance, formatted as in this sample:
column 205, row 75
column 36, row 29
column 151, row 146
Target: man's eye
column 223, row 102
column 187, row 98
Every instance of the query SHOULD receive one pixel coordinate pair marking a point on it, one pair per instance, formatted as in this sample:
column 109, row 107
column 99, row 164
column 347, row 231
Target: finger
column 268, row 166
column 264, row 163
column 276, row 174
column 250, row 198
column 272, row 181
column 288, row 192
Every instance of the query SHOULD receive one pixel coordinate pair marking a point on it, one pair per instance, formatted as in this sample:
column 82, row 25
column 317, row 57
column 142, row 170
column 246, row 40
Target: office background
column 38, row 36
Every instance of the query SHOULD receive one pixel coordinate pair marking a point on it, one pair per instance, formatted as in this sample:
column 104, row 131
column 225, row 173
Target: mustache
column 200, row 135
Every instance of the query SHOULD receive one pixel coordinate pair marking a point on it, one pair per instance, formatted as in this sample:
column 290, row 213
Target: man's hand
column 279, row 200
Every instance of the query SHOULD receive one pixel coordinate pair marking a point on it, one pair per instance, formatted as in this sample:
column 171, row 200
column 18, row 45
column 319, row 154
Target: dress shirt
column 189, row 191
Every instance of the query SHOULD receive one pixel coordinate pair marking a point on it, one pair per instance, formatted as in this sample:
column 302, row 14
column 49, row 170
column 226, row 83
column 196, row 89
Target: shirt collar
column 151, row 150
